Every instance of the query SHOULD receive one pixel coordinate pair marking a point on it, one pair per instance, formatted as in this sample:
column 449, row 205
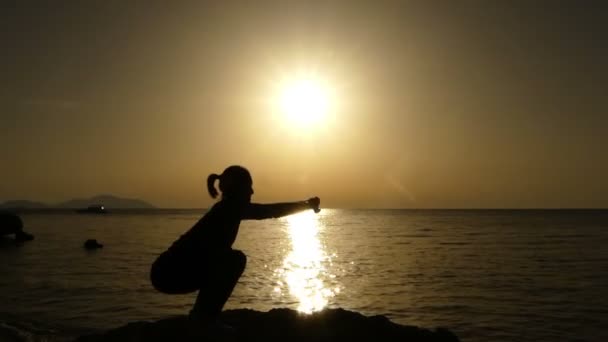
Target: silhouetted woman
column 203, row 259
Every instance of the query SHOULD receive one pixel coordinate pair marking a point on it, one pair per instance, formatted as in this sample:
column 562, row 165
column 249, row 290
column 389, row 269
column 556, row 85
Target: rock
column 92, row 244
column 10, row 223
column 23, row 236
column 280, row 325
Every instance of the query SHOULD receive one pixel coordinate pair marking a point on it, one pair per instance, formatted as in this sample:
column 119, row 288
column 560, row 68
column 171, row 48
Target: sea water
column 487, row 275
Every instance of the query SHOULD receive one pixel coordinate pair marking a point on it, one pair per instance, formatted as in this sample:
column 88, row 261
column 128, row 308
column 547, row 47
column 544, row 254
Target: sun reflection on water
column 303, row 270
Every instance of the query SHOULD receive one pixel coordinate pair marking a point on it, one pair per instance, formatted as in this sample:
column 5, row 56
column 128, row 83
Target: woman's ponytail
column 211, row 184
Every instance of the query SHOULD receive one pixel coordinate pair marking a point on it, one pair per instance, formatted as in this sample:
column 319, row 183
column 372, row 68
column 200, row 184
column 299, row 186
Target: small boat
column 93, row 209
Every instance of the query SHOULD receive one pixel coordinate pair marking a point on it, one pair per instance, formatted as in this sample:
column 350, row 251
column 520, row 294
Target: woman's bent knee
column 156, row 277
column 240, row 258
column 171, row 278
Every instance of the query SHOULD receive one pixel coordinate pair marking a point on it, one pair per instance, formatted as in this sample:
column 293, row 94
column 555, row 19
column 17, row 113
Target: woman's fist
column 314, row 204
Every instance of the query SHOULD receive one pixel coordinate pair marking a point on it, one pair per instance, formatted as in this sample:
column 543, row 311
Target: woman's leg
column 173, row 275
column 217, row 287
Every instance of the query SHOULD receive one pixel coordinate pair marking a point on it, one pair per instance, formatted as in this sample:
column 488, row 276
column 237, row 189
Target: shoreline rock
column 281, row 325
column 12, row 224
column 92, row 244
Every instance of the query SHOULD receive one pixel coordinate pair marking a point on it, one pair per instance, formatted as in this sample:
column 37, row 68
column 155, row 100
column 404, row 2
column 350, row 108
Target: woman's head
column 235, row 183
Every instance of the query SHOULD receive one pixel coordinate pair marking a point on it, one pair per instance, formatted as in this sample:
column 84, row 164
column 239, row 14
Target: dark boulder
column 23, row 236
column 12, row 224
column 92, row 244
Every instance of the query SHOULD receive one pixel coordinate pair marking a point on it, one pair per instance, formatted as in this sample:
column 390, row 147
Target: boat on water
column 93, row 209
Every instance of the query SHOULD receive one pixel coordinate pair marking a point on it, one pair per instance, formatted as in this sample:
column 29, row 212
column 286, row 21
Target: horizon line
column 332, row 208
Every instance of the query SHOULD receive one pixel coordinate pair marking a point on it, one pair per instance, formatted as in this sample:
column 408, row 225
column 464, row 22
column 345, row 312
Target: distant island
column 108, row 201
column 23, row 204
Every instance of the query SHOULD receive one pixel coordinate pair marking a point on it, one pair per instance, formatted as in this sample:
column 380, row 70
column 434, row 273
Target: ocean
column 487, row 275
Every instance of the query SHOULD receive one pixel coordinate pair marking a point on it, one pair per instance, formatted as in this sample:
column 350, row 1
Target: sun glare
column 304, row 271
column 305, row 101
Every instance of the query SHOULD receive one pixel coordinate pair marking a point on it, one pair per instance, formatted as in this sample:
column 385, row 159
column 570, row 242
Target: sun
column 304, row 101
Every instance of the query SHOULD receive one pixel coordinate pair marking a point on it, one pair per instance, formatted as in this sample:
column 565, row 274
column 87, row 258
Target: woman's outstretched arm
column 256, row 211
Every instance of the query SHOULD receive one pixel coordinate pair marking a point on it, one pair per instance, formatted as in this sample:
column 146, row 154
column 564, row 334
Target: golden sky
column 432, row 104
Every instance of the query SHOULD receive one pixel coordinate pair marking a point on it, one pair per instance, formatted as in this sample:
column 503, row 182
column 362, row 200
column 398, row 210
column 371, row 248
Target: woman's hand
column 314, row 203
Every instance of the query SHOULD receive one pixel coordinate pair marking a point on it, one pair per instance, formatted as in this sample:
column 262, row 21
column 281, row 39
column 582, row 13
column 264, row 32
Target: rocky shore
column 279, row 325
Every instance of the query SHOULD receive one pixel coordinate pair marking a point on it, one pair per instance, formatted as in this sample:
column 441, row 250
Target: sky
column 431, row 104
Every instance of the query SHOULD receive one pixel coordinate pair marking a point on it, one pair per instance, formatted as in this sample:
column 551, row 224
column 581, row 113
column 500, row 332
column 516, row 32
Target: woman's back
column 215, row 231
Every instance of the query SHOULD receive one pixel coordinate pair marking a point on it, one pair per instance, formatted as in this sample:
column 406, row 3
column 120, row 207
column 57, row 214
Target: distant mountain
column 23, row 204
column 108, row 201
